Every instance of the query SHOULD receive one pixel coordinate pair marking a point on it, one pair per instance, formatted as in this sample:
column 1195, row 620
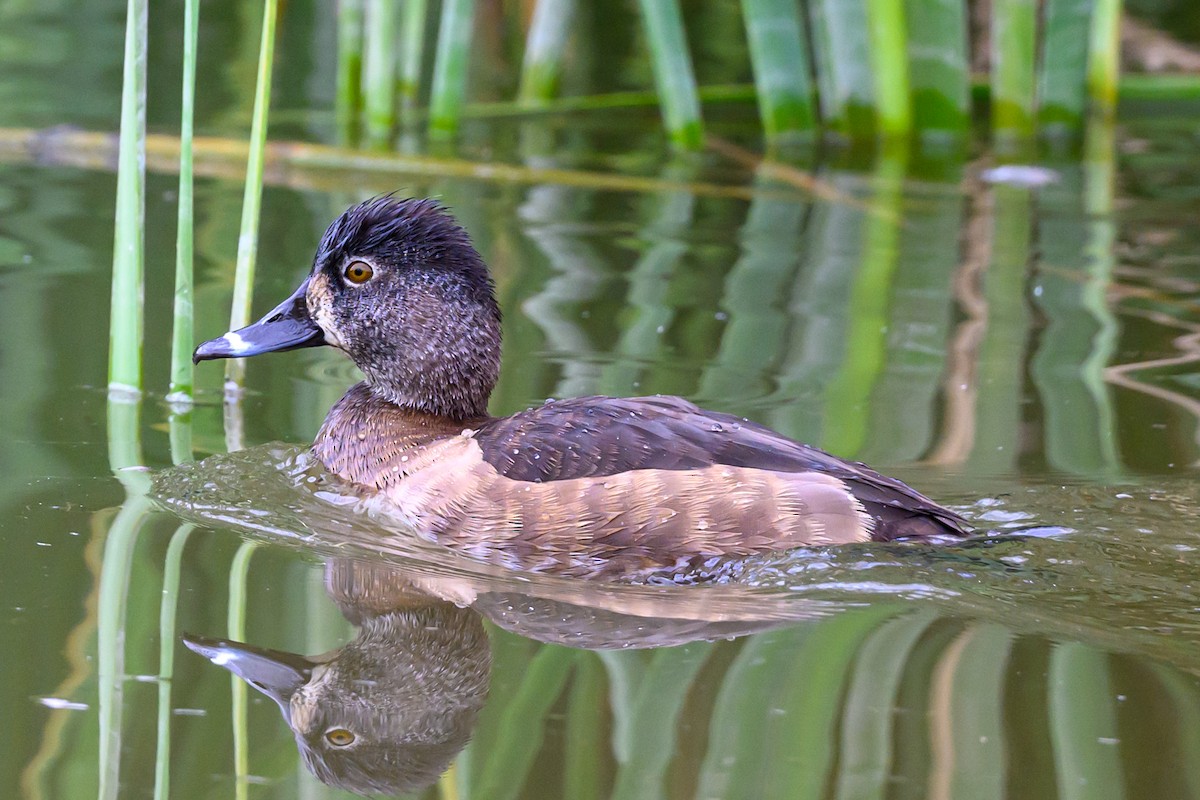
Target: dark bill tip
column 288, row 326
column 273, row 672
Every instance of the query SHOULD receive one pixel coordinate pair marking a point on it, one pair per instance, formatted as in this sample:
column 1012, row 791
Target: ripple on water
column 1086, row 562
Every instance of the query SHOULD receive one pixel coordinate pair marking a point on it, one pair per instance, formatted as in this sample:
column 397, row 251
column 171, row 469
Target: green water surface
column 1027, row 355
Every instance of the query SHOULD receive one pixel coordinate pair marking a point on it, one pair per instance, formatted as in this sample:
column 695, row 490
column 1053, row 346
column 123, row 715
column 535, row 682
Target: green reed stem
column 847, row 398
column 888, row 53
column 1180, row 690
column 778, row 44
column 1014, row 36
column 125, row 325
column 349, row 64
column 1083, row 724
column 939, row 66
column 450, row 67
column 868, row 718
column 379, row 73
column 125, row 459
column 1104, row 57
column 182, row 336
column 756, row 289
column 1170, row 88
column 236, row 624
column 1100, row 178
column 844, row 77
column 804, row 740
column 1080, row 335
column 412, row 52
column 243, row 280
column 166, row 658
column 179, row 429
column 625, row 670
column 655, row 723
column 673, row 73
column 584, row 740
column 524, row 718
column 1002, row 360
column 741, row 725
column 1062, row 77
column 544, row 47
column 124, row 455
column 975, row 665
column 111, row 617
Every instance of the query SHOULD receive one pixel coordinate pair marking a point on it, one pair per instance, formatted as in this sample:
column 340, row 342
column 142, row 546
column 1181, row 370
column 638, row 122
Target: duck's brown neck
column 364, row 436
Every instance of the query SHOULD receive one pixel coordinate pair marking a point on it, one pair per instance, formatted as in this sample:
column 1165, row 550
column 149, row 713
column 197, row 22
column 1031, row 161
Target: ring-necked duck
column 574, row 485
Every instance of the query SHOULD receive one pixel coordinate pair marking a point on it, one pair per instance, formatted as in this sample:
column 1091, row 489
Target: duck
column 588, row 486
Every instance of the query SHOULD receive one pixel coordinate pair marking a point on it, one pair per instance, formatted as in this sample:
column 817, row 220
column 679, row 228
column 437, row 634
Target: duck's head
column 386, row 713
column 397, row 285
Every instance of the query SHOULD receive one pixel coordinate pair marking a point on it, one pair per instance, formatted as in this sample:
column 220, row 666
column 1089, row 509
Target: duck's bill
column 273, row 672
column 288, row 326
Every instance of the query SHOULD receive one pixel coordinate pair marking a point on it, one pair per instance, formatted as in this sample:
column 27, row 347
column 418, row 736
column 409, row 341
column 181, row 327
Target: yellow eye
column 359, row 272
column 339, row 737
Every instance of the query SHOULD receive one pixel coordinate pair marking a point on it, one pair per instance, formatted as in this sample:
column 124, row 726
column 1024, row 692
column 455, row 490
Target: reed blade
column 754, row 339
column 848, row 396
column 888, row 54
column 1104, row 57
column 653, row 728
column 1081, row 332
column 412, row 53
column 803, row 742
column 126, row 323
column 172, row 566
column 586, row 748
column 673, row 73
column 1062, row 77
column 939, row 67
column 506, row 769
column 1002, row 360
column 243, row 280
column 183, row 333
column 450, row 67
column 870, row 705
column 1014, row 38
column 967, row 715
column 379, row 69
column 844, row 76
column 544, row 49
column 1084, row 724
column 741, row 729
column 778, row 43
column 115, row 571
column 239, row 570
column 350, row 34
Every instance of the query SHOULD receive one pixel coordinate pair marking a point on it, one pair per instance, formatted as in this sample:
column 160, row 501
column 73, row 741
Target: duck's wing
column 598, row 436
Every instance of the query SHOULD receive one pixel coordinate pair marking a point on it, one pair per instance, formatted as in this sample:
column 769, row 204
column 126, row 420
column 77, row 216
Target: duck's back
column 596, row 437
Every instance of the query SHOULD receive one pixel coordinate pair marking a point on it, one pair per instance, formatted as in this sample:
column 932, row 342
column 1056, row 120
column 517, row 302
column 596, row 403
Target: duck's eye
column 339, row 737
column 358, row 272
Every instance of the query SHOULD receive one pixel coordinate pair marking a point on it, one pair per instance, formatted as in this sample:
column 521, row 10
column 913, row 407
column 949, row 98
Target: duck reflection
column 387, row 712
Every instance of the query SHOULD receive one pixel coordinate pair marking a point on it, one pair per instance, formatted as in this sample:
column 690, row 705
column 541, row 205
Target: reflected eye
column 358, row 272
column 339, row 737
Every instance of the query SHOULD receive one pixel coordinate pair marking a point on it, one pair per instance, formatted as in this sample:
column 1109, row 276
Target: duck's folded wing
column 597, row 436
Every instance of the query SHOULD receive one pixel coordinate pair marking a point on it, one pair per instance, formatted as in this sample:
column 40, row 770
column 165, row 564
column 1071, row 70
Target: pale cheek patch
column 318, row 301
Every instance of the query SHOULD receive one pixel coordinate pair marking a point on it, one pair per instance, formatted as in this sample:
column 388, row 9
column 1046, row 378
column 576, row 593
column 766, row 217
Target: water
column 1025, row 354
